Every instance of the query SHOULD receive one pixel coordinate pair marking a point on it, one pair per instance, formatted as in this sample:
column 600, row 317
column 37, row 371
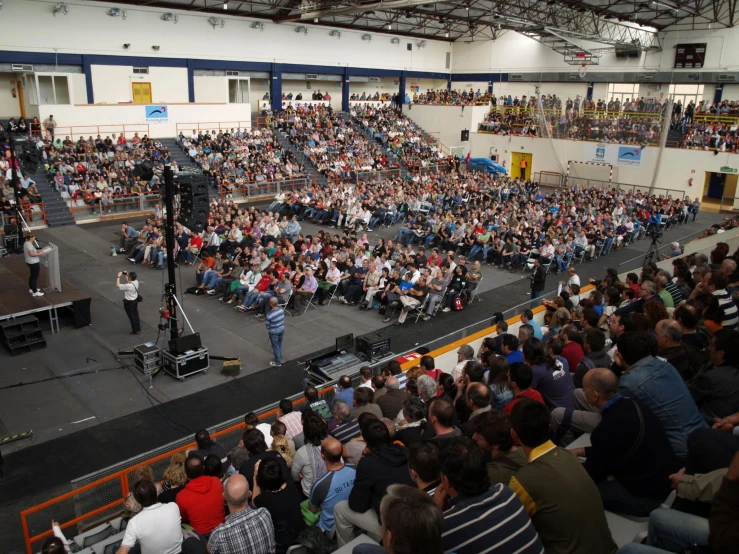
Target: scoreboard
column 690, row 56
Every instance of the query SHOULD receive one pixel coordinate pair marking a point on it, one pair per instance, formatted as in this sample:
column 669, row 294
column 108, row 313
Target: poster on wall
column 615, row 154
column 157, row 114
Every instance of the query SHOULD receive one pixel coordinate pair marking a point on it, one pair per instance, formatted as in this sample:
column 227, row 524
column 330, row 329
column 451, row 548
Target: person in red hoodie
column 201, row 501
column 572, row 351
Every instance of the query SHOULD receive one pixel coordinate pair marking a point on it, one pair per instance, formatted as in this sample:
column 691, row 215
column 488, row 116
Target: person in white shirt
column 33, row 261
column 130, row 299
column 156, row 528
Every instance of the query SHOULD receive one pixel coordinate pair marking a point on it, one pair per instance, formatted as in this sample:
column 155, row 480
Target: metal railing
column 82, row 211
column 187, row 128
column 260, row 189
column 626, row 187
column 81, row 131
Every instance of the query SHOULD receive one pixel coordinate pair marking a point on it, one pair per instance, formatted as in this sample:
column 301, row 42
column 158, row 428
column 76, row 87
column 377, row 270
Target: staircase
column 391, row 156
column 321, row 179
column 674, row 138
column 57, row 210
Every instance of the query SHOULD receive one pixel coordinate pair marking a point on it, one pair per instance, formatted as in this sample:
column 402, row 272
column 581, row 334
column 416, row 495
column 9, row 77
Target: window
column 622, row 92
column 141, row 70
column 238, row 91
column 686, row 93
column 49, row 89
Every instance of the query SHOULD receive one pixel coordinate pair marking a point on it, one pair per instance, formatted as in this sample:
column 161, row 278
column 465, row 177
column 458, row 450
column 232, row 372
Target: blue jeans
column 617, row 498
column 673, row 530
column 251, row 298
column 535, row 294
column 275, row 340
column 211, row 279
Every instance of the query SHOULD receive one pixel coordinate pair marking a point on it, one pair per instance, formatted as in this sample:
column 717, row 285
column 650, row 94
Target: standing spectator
column 275, row 323
column 130, row 299
column 335, row 485
column 245, row 530
column 630, row 457
column 50, row 126
column 156, row 528
column 201, row 501
column 384, row 464
column 308, row 465
column 478, row 517
column 556, row 490
column 538, row 279
column 281, row 500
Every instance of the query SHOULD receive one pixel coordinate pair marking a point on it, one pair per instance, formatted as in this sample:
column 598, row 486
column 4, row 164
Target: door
column 516, row 164
column 715, row 185
column 141, row 93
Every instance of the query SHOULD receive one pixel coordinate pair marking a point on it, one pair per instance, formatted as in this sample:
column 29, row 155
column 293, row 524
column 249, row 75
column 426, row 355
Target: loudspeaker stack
column 193, row 212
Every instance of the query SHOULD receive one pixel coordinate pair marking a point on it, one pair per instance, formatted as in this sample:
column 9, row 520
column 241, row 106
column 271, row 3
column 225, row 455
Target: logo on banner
column 157, row 114
column 628, row 155
column 600, row 152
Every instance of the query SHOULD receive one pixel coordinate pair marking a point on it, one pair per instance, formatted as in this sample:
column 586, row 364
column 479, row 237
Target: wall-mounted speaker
column 465, row 135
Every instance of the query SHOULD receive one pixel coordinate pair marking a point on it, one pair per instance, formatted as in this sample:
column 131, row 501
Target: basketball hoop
column 582, row 70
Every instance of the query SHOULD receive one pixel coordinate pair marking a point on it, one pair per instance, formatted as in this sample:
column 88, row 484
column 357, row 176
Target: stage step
column 21, row 335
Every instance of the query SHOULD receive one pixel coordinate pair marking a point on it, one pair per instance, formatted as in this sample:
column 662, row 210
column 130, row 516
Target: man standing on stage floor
column 538, row 279
column 130, row 299
column 276, row 329
column 34, row 263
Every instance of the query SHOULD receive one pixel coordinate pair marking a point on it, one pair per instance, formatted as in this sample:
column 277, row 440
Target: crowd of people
column 479, row 455
column 335, row 146
column 453, row 97
column 237, row 159
column 400, row 135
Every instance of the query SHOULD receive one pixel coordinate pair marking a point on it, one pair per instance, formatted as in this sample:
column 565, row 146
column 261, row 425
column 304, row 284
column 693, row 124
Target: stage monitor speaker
column 195, row 222
column 11, row 230
column 465, row 135
column 184, row 343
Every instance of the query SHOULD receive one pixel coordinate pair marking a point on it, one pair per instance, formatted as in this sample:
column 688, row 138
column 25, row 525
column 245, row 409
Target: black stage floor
column 89, row 412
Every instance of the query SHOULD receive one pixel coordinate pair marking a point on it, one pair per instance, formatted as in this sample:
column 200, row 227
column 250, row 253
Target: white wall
column 562, row 90
column 112, row 84
column 446, row 122
column 92, row 31
column 9, row 105
column 210, row 89
column 85, row 119
column 676, row 168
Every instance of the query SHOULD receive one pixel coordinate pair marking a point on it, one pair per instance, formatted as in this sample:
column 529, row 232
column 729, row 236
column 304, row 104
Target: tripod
column 653, row 252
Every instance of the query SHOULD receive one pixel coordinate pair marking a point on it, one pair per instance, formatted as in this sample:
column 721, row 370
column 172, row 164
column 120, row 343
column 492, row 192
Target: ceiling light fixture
column 366, row 36
column 169, row 16
column 61, row 7
column 155, row 47
column 389, row 26
column 446, row 34
column 335, row 33
column 395, row 40
column 225, row 4
column 422, row 44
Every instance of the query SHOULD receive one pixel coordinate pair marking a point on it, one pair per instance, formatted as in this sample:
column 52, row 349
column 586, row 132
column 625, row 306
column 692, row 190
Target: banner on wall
column 157, row 114
column 615, row 154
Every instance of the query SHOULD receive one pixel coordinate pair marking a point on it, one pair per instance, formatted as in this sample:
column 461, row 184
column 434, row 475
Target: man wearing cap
column 33, row 260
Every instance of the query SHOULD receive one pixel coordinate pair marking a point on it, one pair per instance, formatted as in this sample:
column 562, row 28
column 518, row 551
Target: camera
column 124, row 272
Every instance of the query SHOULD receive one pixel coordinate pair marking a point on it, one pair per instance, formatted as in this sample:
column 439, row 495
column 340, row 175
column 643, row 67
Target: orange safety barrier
column 27, row 207
column 84, row 131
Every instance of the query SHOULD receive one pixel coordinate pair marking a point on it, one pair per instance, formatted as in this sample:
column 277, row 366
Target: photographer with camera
column 131, row 299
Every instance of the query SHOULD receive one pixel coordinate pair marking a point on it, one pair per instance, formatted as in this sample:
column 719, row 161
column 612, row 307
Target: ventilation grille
column 727, row 77
column 645, row 77
column 515, row 77
column 232, row 73
column 22, row 67
column 374, row 79
column 310, row 76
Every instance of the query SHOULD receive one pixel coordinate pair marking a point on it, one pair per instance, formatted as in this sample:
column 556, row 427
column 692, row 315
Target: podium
column 51, row 262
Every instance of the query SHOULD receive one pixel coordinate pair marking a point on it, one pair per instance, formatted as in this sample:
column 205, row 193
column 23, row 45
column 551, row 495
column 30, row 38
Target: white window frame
column 34, row 92
column 141, row 70
column 623, row 94
column 240, row 80
column 684, row 95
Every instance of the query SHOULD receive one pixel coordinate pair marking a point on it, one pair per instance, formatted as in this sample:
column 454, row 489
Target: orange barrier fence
column 84, row 131
column 107, row 494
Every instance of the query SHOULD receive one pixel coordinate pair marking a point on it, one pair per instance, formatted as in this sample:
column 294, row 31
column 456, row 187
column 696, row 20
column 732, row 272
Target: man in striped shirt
column 348, row 426
column 715, row 282
column 478, row 517
column 276, row 328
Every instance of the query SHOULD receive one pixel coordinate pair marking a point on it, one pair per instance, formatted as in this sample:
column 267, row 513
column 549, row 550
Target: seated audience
column 201, row 501
column 333, row 487
column 281, row 500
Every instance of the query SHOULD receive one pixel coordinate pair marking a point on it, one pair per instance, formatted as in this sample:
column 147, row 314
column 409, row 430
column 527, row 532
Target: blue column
column 718, row 94
column 590, row 90
column 345, row 91
column 275, row 87
column 190, row 81
column 401, row 90
column 490, row 87
column 87, row 69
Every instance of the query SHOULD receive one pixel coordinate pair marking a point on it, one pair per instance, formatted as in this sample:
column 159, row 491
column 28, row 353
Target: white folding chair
column 474, row 293
column 285, row 304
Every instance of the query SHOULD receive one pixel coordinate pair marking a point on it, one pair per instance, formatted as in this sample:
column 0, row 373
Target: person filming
column 33, row 260
column 130, row 299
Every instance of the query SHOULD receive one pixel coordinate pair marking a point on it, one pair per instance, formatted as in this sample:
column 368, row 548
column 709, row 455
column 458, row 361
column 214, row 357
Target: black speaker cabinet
column 465, row 135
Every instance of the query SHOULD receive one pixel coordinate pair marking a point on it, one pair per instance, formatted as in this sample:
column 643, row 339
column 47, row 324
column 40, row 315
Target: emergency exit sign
column 727, row 169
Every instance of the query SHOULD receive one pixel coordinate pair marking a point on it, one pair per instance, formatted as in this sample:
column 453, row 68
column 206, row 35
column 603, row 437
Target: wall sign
column 615, row 154
column 157, row 114
column 727, row 169
column 690, row 56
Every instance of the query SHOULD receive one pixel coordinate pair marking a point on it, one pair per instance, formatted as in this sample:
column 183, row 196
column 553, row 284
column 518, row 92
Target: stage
column 16, row 301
